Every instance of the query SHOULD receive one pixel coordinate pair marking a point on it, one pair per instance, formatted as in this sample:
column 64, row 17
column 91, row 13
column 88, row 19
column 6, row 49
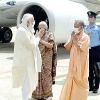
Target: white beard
column 31, row 29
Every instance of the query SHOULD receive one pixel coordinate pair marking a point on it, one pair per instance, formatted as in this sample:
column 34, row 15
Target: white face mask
column 91, row 20
column 76, row 30
column 33, row 24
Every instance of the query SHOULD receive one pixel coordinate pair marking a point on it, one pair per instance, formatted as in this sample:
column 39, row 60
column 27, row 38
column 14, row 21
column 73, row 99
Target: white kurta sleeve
column 37, row 40
column 29, row 41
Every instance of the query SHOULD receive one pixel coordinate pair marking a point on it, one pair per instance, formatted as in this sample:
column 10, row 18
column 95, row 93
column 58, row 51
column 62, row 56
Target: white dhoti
column 25, row 88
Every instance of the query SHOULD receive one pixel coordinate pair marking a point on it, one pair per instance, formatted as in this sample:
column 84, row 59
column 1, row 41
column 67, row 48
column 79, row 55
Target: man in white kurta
column 27, row 58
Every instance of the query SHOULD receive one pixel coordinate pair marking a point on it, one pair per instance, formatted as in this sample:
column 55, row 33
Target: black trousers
column 94, row 54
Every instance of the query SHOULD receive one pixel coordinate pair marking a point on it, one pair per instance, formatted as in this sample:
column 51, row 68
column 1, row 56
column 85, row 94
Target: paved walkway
column 9, row 93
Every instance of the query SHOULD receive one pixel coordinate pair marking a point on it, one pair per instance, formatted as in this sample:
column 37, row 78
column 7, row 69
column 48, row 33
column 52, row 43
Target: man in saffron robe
column 76, row 83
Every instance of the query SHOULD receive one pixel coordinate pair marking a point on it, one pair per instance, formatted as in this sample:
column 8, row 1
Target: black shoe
column 91, row 89
column 95, row 91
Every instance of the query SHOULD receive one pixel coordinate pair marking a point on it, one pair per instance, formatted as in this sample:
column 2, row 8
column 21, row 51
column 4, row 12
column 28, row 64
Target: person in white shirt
column 27, row 58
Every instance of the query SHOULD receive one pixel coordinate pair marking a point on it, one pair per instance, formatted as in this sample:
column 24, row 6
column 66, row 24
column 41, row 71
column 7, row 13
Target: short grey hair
column 43, row 24
column 80, row 22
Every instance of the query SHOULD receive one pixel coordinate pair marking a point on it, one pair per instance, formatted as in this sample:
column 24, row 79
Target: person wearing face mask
column 76, row 83
column 27, row 60
column 94, row 52
column 48, row 51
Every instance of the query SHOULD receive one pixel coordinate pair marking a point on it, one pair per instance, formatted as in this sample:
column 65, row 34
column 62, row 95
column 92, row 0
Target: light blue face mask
column 91, row 20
